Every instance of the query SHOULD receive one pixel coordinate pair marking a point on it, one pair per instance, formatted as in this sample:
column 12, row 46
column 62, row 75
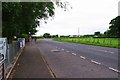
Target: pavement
column 30, row 64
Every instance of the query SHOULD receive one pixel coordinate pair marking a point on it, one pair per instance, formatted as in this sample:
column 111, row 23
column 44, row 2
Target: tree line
column 22, row 18
column 113, row 31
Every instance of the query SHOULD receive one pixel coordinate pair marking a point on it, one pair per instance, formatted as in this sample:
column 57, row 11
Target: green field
column 106, row 42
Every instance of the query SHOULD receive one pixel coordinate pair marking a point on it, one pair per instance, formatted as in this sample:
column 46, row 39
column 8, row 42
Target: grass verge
column 105, row 42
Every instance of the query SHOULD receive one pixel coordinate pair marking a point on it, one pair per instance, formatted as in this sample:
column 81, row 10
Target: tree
column 114, row 29
column 46, row 35
column 98, row 34
column 23, row 17
column 54, row 36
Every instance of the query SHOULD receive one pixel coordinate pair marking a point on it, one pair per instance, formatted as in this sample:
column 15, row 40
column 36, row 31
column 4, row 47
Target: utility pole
column 78, row 31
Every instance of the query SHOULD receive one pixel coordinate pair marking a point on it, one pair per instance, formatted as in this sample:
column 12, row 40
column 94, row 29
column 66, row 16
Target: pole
column 0, row 19
column 78, row 31
column 119, row 8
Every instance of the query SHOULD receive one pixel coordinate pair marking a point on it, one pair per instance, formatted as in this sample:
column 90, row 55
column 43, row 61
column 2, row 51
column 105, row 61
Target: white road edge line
column 82, row 57
column 95, row 62
column 114, row 69
column 73, row 53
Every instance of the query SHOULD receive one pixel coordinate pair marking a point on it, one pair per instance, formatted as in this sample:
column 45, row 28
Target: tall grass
column 106, row 42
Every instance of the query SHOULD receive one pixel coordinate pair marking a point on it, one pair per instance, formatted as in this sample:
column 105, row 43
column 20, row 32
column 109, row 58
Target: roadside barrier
column 8, row 54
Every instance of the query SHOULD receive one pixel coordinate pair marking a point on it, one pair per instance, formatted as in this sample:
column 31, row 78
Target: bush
column 25, row 36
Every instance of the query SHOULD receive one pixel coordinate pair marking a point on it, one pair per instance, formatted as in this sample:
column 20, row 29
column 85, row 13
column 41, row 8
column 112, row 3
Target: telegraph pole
column 78, row 31
column 0, row 19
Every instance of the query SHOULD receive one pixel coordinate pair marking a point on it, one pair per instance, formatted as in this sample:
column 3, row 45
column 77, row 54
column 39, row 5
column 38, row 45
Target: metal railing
column 12, row 51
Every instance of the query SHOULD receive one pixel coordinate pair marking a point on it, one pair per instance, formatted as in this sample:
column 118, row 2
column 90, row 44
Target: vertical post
column 119, row 8
column 0, row 19
column 78, row 31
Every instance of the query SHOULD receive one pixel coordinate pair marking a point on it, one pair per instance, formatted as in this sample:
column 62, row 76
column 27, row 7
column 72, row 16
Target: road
column 71, row 60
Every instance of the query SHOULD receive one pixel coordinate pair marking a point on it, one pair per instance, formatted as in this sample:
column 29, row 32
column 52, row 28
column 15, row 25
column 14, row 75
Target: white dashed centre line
column 67, row 51
column 62, row 49
column 112, row 52
column 82, row 57
column 114, row 69
column 102, row 50
column 95, row 62
column 73, row 53
column 55, row 50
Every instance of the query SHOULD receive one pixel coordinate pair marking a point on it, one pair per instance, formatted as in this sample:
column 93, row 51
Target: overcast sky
column 89, row 15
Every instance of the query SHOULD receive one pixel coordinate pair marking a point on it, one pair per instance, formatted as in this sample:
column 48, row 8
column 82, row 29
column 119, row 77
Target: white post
column 78, row 31
column 119, row 8
column 0, row 19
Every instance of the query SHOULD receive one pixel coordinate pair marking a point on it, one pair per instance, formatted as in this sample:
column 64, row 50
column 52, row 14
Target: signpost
column 3, row 48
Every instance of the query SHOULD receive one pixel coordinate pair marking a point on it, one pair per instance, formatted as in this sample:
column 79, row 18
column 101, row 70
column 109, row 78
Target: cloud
column 88, row 15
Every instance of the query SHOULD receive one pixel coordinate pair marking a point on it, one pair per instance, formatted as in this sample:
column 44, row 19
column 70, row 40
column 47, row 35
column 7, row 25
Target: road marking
column 82, row 57
column 114, row 69
column 102, row 50
column 112, row 52
column 67, row 51
column 108, row 51
column 73, row 53
column 62, row 49
column 55, row 50
column 58, row 48
column 95, row 62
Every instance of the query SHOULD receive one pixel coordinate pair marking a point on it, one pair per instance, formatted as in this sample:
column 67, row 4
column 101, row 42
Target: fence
column 12, row 51
column 109, row 42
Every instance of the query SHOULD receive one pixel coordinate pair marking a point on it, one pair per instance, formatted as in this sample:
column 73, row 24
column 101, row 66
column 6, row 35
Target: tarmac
column 30, row 64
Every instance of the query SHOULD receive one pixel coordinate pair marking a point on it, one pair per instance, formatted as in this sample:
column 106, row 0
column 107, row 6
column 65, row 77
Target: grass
column 106, row 42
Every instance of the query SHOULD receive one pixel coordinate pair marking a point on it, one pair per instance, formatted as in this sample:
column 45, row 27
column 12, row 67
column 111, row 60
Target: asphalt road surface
column 71, row 60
